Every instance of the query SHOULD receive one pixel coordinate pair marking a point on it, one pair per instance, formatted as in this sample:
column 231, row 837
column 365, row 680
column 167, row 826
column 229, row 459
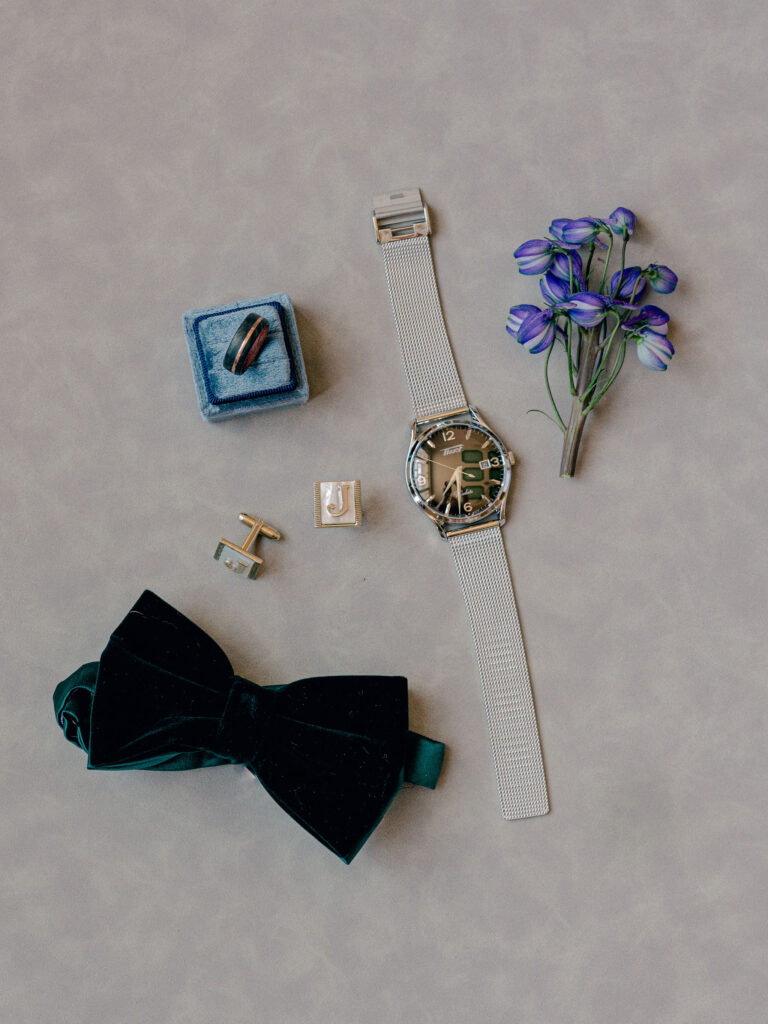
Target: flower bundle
column 591, row 313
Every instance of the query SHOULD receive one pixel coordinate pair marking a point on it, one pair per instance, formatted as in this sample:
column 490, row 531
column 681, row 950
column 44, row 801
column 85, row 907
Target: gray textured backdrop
column 165, row 156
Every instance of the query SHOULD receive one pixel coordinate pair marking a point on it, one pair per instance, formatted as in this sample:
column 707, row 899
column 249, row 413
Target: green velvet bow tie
column 333, row 751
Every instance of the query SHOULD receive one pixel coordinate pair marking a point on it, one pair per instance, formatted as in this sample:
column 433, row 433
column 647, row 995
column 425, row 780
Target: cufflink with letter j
column 338, row 503
column 238, row 558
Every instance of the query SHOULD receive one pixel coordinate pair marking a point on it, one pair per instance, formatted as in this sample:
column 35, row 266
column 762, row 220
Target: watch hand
column 445, row 465
column 448, row 486
column 453, row 480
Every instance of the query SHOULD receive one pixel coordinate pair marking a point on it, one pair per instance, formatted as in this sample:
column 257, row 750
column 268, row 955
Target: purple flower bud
column 538, row 331
column 561, row 267
column 587, row 308
column 627, row 285
column 578, row 232
column 654, row 350
column 517, row 317
column 661, row 278
column 534, row 257
column 648, row 316
column 622, row 221
column 556, row 228
column 554, row 289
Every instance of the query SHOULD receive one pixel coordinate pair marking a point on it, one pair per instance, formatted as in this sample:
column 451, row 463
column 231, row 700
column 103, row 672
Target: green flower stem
column 614, row 374
column 588, row 266
column 573, row 433
column 594, row 373
column 624, row 240
column 549, row 389
column 588, row 356
column 568, row 353
column 605, row 265
column 604, row 351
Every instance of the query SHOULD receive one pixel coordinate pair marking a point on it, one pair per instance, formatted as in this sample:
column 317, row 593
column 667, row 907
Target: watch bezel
column 491, row 514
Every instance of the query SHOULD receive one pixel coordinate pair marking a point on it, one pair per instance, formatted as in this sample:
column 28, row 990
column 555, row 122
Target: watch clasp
column 401, row 214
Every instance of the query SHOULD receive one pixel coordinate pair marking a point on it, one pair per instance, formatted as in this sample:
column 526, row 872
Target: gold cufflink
column 240, row 559
column 338, row 503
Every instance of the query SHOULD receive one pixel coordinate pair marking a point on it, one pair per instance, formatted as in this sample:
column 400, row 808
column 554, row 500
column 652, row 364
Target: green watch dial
column 456, row 470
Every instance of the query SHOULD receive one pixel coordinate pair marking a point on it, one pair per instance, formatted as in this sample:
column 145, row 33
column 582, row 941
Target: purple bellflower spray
column 592, row 321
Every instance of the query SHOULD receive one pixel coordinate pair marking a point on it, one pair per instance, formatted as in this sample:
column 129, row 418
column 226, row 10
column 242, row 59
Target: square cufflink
column 338, row 503
column 240, row 559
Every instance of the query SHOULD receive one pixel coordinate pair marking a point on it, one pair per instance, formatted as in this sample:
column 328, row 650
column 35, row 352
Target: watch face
column 458, row 471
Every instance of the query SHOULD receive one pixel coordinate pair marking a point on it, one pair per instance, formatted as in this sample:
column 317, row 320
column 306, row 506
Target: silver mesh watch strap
column 484, row 574
column 402, row 227
column 401, row 222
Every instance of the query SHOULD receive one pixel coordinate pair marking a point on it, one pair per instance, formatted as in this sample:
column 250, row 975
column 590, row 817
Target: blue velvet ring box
column 278, row 376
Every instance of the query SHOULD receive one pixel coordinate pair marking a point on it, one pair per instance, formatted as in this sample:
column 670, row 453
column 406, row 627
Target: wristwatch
column 458, row 472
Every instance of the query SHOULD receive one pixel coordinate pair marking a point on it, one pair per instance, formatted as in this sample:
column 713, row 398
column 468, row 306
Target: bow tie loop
column 245, row 718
